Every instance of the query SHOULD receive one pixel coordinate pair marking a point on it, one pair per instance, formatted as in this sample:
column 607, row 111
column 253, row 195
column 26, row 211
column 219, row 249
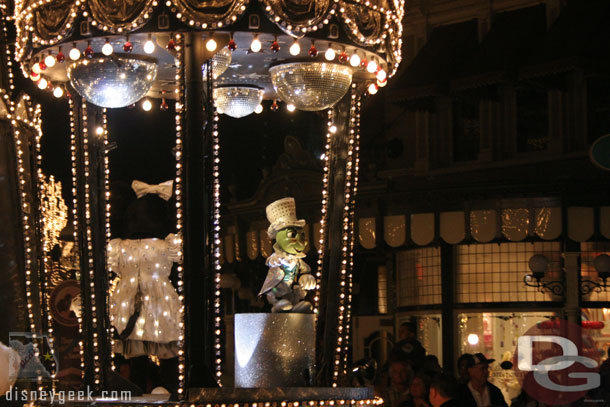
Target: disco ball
column 220, row 62
column 311, row 85
column 237, row 101
column 112, row 81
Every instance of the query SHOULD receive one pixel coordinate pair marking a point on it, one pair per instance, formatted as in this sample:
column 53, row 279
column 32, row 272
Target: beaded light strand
column 330, row 130
column 216, row 247
column 75, row 219
column 180, row 100
column 345, row 270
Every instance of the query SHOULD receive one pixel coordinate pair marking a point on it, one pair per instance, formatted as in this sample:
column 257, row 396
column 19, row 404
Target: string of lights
column 355, row 130
column 89, row 242
column 340, row 358
column 7, row 49
column 180, row 102
column 102, row 131
column 73, row 157
column 377, row 401
column 216, row 247
column 331, row 128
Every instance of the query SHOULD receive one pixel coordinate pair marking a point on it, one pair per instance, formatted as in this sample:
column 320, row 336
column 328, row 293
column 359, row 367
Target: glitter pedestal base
column 274, row 350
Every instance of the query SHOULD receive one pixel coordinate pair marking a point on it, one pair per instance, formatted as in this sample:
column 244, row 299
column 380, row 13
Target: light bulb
column 99, row 130
column 381, row 84
column 211, row 45
column 473, row 339
column 149, row 46
column 34, row 76
column 58, row 92
column 333, row 129
column 49, row 61
column 74, row 53
column 258, row 109
column 373, row 88
column 107, row 49
column 256, row 45
column 290, row 107
column 36, row 68
column 295, row 49
column 147, row 105
column 371, row 67
column 42, row 83
column 330, row 54
column 354, row 60
column 381, row 75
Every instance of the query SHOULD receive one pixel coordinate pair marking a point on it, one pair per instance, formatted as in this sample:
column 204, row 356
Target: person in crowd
column 431, row 366
column 400, row 378
column 418, row 392
column 408, row 347
column 444, row 391
column 478, row 392
column 524, row 400
column 462, row 366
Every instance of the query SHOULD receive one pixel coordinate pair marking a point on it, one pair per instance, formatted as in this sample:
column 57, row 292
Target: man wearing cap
column 478, row 392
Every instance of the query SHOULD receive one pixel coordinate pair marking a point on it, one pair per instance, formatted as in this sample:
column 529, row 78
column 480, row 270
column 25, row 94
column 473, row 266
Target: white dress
column 147, row 264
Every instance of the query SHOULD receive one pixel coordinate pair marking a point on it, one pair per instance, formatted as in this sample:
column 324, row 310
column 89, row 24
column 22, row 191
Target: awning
column 431, row 70
column 454, row 227
column 511, row 39
column 486, row 225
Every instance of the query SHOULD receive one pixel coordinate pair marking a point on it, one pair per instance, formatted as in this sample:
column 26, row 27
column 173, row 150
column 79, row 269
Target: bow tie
column 164, row 189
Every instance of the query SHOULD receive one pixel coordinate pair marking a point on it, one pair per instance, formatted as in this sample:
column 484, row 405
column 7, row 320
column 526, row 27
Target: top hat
column 281, row 214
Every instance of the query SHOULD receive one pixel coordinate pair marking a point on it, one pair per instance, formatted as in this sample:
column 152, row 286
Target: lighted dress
column 147, row 264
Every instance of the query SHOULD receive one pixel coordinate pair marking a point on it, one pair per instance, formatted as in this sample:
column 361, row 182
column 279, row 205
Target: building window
column 588, row 252
column 494, row 272
column 596, row 323
column 598, row 107
column 419, row 276
column 466, row 130
column 382, row 289
column 532, row 119
column 495, row 335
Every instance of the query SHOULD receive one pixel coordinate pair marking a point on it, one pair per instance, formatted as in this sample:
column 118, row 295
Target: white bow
column 164, row 189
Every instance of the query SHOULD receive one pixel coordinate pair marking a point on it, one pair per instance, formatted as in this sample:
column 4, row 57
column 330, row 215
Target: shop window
column 419, row 276
column 495, row 335
column 589, row 252
column 598, row 107
column 596, row 323
column 494, row 272
column 532, row 119
column 466, row 130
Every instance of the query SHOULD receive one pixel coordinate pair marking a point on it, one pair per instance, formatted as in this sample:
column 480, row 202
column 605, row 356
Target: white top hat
column 282, row 213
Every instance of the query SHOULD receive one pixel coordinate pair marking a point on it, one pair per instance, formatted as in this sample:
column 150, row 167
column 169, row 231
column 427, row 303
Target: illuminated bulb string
column 324, row 217
column 89, row 240
column 345, row 270
column 46, row 246
column 354, row 187
column 216, row 248
column 107, row 233
column 26, row 227
column 75, row 221
column 377, row 401
column 7, row 50
column 179, row 192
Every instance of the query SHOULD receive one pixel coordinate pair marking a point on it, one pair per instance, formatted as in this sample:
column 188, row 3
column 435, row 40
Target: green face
column 291, row 240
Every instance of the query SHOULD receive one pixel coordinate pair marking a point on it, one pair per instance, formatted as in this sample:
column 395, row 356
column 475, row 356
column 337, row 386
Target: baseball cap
column 477, row 359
